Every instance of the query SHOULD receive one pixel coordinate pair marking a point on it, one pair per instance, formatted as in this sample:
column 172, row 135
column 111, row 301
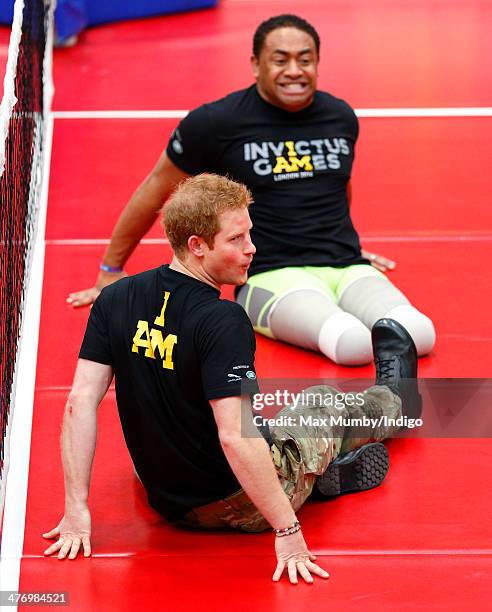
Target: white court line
column 471, row 111
column 462, row 552
column 417, row 238
column 21, row 414
column 128, row 114
column 476, row 111
column 97, row 241
column 66, row 388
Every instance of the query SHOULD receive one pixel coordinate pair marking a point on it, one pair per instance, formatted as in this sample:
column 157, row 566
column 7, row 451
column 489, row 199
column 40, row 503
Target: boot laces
column 386, row 369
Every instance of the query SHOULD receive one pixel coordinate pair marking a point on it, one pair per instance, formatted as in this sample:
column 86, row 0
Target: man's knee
column 417, row 324
column 345, row 340
column 372, row 298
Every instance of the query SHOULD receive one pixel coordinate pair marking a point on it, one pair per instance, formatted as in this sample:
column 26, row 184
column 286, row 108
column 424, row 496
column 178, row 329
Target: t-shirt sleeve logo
column 238, row 374
column 152, row 339
column 176, row 142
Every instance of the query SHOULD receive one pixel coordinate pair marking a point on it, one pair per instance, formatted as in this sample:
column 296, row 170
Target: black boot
column 395, row 357
column 361, row 469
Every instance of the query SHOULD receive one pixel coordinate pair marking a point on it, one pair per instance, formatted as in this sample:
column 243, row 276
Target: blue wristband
column 105, row 268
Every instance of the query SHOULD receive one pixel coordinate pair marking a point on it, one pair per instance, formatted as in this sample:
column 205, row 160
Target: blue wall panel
column 72, row 16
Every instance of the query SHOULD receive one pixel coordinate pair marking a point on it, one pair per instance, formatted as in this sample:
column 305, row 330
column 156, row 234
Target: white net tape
column 9, row 99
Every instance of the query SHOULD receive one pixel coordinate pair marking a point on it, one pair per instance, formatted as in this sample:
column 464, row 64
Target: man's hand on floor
column 379, row 261
column 87, row 297
column 73, row 532
column 293, row 554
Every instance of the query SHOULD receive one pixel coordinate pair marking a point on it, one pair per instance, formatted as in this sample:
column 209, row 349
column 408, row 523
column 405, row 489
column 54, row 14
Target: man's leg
column 331, row 427
column 305, row 454
column 369, row 295
column 296, row 306
column 395, row 393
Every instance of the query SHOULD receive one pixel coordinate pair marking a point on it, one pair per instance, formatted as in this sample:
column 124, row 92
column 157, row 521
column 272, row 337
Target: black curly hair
column 282, row 21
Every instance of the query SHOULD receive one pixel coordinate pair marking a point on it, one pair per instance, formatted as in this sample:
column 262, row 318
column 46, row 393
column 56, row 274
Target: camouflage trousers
column 302, row 451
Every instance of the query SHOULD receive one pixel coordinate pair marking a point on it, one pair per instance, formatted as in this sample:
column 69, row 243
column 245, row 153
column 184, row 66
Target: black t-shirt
column 173, row 345
column 297, row 166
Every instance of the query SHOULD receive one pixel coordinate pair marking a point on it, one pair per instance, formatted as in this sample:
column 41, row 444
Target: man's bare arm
column 134, row 222
column 78, row 443
column 250, row 460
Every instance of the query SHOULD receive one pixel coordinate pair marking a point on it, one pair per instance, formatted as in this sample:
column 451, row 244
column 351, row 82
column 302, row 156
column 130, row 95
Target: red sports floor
column 422, row 193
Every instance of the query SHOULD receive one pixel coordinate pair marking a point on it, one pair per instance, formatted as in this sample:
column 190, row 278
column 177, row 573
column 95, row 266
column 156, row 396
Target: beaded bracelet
column 280, row 533
column 114, row 270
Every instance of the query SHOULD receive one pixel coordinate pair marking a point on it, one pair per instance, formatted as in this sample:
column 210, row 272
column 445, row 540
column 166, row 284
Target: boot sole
column 366, row 471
